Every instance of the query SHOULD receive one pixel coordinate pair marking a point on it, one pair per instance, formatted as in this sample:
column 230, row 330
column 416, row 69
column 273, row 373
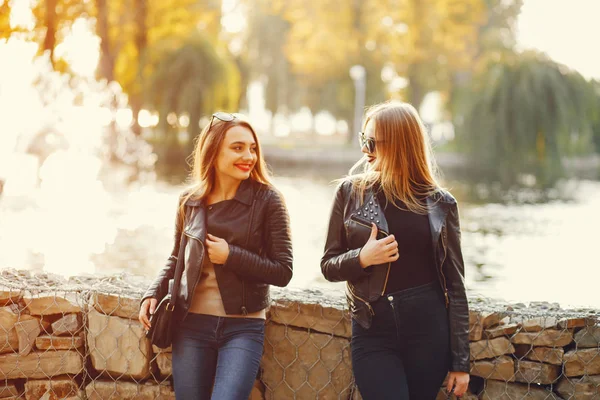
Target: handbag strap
column 178, row 271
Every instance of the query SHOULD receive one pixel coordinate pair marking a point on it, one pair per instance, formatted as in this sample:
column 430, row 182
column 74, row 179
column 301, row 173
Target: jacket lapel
column 195, row 224
column 371, row 211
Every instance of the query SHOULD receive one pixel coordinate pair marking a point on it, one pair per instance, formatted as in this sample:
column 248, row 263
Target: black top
column 229, row 219
column 223, row 215
column 416, row 265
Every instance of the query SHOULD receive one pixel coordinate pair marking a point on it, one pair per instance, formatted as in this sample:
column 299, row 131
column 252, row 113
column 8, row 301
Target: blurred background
column 100, row 102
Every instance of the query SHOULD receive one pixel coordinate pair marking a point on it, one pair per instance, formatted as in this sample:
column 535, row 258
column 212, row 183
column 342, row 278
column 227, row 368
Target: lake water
column 521, row 252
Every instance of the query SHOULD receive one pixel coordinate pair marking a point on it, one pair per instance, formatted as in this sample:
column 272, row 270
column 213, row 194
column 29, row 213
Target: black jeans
column 406, row 352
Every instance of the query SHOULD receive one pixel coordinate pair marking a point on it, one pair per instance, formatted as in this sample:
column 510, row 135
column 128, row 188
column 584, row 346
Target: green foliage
column 194, row 79
column 595, row 114
column 526, row 114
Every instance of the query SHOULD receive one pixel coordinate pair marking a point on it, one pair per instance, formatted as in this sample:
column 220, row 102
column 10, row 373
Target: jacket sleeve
column 454, row 271
column 275, row 266
column 339, row 263
column 159, row 287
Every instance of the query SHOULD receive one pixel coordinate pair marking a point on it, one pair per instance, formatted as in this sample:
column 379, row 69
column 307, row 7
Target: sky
column 567, row 30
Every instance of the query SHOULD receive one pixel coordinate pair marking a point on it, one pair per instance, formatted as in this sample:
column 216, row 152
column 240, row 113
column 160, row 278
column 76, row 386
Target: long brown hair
column 406, row 170
column 204, row 157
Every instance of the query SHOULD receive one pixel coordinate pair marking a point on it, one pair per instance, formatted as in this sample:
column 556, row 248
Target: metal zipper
column 244, row 310
column 361, row 299
column 442, row 266
column 387, row 275
column 202, row 260
column 394, row 312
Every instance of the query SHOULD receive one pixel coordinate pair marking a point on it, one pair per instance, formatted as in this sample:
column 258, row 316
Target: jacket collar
column 244, row 194
column 439, row 203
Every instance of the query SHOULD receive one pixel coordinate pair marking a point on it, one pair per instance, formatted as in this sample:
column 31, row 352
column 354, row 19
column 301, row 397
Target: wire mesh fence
column 79, row 338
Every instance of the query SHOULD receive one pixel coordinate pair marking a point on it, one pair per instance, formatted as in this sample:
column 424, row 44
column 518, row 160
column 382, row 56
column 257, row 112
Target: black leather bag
column 161, row 322
column 160, row 333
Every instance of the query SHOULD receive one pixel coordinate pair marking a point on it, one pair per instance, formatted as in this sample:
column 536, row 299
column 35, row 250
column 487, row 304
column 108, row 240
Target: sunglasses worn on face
column 366, row 142
column 222, row 116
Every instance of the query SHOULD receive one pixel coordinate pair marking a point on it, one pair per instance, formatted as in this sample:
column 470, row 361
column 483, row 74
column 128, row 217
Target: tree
column 264, row 54
column 427, row 40
column 192, row 80
column 106, row 64
column 594, row 113
column 53, row 18
column 305, row 50
column 497, row 34
column 495, row 40
column 527, row 113
column 136, row 34
column 5, row 28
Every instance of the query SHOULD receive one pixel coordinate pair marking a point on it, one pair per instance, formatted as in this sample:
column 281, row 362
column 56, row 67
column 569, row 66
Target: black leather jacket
column 349, row 230
column 264, row 258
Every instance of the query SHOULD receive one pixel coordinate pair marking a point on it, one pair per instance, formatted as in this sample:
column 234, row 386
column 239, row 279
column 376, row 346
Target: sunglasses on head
column 222, row 116
column 366, row 142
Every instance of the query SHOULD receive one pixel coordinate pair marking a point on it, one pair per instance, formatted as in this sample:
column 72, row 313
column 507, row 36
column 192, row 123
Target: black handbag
column 161, row 332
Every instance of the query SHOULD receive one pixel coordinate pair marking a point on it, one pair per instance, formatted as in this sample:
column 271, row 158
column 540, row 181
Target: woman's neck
column 225, row 189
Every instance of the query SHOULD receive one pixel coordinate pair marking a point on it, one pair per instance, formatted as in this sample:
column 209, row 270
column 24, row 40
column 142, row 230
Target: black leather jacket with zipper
column 349, row 230
column 263, row 256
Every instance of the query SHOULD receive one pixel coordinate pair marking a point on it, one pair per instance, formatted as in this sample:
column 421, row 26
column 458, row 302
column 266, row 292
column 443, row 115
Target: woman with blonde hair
column 232, row 240
column 394, row 237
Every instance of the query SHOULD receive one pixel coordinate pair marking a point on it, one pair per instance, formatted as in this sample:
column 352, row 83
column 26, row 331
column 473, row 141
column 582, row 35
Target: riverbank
column 333, row 157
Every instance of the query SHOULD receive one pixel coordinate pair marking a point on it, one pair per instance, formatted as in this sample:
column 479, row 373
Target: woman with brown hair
column 394, row 237
column 233, row 237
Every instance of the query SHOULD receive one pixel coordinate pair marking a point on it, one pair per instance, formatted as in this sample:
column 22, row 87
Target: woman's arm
column 338, row 262
column 454, row 270
column 275, row 267
column 158, row 289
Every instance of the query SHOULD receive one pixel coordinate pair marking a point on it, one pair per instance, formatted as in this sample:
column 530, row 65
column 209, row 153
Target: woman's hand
column 218, row 249
column 376, row 252
column 459, row 381
column 146, row 309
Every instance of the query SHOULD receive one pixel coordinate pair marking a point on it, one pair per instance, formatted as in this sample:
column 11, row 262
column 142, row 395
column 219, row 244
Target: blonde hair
column 406, row 168
column 204, row 157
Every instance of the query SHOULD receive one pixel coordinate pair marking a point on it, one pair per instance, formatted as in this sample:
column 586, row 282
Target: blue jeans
column 405, row 354
column 217, row 354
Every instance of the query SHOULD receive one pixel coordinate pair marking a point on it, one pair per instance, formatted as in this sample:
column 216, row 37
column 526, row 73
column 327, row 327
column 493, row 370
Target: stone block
column 582, row 362
column 68, row 325
column 547, row 338
column 498, row 390
column 116, row 305
column 55, row 389
column 118, row 346
column 501, row 368
column 588, row 337
column 305, row 364
column 122, row 390
column 536, row 372
column 490, row 348
column 50, row 305
column 60, row 342
column 584, row 388
column 549, row 355
column 40, row 365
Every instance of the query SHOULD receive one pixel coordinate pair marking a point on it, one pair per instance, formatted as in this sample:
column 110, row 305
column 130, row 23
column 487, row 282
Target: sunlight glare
column 81, row 48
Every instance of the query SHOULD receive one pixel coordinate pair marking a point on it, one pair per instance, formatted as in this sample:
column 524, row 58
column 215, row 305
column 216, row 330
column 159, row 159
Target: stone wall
column 80, row 339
